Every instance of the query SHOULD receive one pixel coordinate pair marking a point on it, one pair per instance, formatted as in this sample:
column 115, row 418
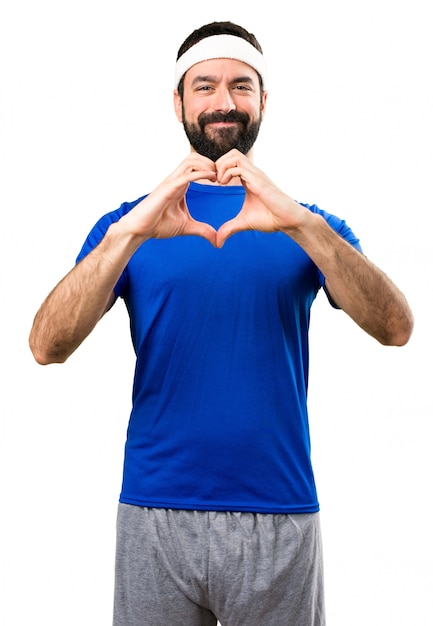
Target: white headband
column 221, row 47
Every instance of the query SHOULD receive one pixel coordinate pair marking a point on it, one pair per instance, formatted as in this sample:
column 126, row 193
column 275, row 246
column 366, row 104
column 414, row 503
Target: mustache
column 231, row 116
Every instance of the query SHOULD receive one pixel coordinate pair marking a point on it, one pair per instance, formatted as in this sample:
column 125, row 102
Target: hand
column 164, row 212
column 266, row 208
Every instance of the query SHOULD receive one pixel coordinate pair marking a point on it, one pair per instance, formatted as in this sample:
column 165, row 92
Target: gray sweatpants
column 192, row 568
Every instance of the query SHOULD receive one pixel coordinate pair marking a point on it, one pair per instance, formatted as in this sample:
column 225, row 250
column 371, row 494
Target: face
column 222, row 107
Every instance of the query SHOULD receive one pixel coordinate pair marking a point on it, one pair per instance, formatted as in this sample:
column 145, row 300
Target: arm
column 355, row 284
column 79, row 301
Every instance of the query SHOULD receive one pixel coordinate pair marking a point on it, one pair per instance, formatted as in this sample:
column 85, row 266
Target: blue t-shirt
column 219, row 418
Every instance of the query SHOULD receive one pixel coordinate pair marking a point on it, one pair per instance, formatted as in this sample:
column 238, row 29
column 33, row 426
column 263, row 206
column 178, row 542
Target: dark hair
column 216, row 28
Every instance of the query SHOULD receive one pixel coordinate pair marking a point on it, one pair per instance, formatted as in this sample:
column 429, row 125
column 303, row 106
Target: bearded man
column 218, row 516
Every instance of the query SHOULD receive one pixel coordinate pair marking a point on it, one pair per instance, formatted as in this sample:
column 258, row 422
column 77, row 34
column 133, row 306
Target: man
column 218, row 267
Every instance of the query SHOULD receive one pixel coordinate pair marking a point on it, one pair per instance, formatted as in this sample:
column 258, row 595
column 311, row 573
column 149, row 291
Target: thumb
column 228, row 229
column 202, row 229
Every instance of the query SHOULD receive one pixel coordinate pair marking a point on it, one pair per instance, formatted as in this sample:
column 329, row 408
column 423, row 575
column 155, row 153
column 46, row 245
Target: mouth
column 217, row 128
column 222, row 124
column 221, row 121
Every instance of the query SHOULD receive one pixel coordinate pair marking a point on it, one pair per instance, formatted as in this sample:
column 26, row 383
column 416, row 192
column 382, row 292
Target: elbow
column 45, row 359
column 406, row 329
column 39, row 357
column 43, row 356
column 400, row 333
column 403, row 337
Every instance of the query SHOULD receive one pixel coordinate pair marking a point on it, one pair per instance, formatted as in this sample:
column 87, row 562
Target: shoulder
column 336, row 223
column 98, row 231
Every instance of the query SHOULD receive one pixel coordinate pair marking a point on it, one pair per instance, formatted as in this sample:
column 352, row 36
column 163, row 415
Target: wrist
column 121, row 235
column 304, row 223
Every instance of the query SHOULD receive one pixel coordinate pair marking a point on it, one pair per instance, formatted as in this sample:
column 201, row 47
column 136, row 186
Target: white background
column 87, row 123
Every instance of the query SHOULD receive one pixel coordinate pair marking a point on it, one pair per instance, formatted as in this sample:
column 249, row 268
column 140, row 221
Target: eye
column 242, row 87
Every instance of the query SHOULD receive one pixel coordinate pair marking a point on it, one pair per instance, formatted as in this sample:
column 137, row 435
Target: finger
column 194, row 161
column 193, row 168
column 227, row 169
column 200, row 160
column 176, row 185
column 195, row 175
column 232, row 164
column 197, row 166
column 224, row 176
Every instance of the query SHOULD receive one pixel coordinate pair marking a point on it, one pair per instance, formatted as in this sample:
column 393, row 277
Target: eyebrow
column 208, row 78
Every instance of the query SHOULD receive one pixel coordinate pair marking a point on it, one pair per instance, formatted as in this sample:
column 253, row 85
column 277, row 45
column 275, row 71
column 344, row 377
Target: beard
column 242, row 136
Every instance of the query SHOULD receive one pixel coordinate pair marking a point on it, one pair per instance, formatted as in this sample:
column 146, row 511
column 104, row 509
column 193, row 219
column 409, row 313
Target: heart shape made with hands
column 253, row 215
column 265, row 208
column 217, row 237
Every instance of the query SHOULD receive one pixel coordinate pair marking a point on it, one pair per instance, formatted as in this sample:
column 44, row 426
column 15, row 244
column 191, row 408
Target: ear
column 177, row 101
column 264, row 100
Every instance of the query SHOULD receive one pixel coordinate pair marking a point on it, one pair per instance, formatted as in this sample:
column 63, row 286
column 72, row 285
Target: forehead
column 220, row 70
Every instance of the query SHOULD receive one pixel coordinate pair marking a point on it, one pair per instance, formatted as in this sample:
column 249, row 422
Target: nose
column 224, row 101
